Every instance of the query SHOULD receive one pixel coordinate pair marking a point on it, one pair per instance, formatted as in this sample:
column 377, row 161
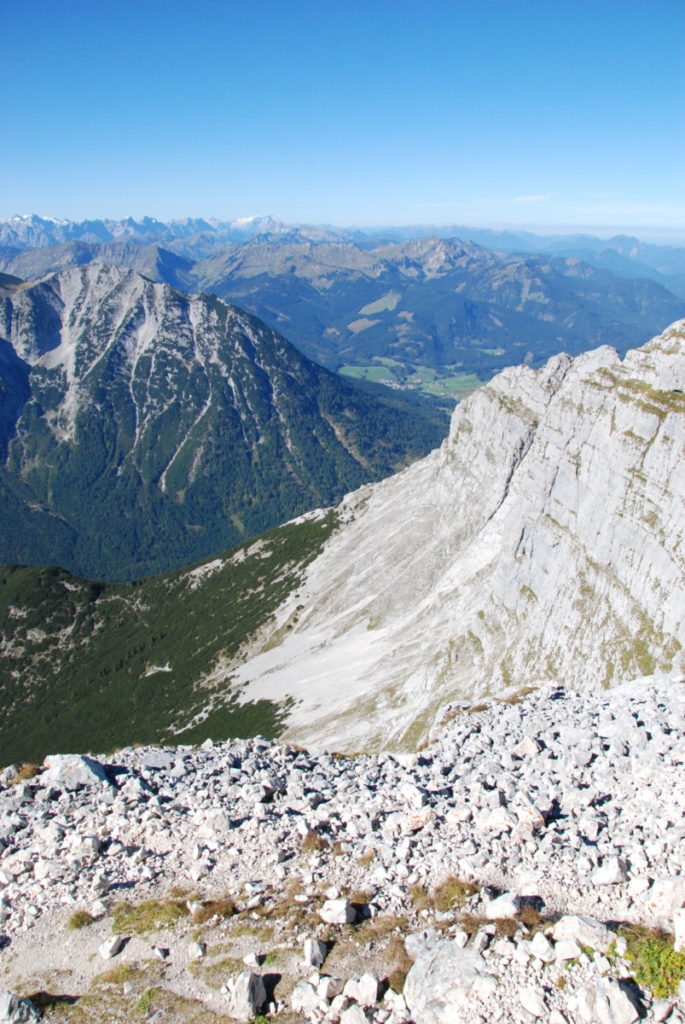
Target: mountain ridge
column 159, row 427
column 542, row 542
column 404, row 312
column 557, row 500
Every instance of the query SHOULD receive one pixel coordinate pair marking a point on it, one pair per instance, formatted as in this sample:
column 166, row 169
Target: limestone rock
column 363, row 990
column 538, row 515
column 245, row 995
column 304, row 998
column 566, row 949
column 505, row 906
column 612, row 871
column 583, row 930
column 542, row 948
column 14, row 1010
column 338, row 911
column 353, row 1015
column 71, row 771
column 608, row 1002
column 444, row 985
column 418, row 943
column 528, row 747
column 111, row 947
column 666, row 895
column 531, row 1000
column 314, row 952
column 328, row 988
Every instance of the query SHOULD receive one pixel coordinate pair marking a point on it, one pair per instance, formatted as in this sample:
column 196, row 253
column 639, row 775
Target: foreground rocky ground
column 527, row 865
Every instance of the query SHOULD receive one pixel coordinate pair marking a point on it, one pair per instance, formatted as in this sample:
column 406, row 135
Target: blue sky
column 487, row 112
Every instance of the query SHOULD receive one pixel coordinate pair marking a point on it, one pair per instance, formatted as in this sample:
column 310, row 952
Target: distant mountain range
column 142, row 428
column 542, row 541
column 31, row 231
column 434, row 314
column 197, row 237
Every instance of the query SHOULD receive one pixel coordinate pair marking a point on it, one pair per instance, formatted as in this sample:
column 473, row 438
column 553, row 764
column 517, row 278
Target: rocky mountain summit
column 543, row 540
column 527, row 865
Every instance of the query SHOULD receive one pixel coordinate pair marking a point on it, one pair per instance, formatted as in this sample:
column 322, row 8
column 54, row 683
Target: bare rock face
column 542, row 541
column 245, row 995
column 14, row 1010
column 447, row 984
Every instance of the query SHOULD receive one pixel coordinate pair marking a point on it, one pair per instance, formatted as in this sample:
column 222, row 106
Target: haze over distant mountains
column 624, row 255
column 432, row 313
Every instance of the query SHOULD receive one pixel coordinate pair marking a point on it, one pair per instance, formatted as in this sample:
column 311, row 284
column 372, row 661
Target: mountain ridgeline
column 542, row 542
column 142, row 429
column 437, row 314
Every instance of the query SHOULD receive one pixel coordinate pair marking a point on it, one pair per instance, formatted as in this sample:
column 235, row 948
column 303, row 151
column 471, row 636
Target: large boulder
column 245, row 995
column 71, row 771
column 14, row 1010
column 338, row 911
column 447, row 985
column 608, row 1002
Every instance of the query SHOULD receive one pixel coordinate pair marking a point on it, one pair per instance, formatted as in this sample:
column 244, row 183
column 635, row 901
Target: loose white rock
column 363, row 990
column 338, row 911
column 111, row 947
column 612, row 871
column 14, row 1010
column 586, row 931
column 314, row 952
column 245, row 995
column 505, row 906
column 531, row 1000
column 353, row 1015
column 607, row 1002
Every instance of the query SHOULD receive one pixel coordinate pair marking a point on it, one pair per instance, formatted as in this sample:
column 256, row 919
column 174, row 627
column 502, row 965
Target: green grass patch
column 149, row 916
column 656, row 965
column 79, row 919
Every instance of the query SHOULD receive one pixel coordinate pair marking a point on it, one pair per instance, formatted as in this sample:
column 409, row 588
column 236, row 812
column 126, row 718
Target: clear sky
column 478, row 112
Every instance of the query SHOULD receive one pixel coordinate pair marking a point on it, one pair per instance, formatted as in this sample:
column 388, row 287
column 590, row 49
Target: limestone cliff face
column 543, row 540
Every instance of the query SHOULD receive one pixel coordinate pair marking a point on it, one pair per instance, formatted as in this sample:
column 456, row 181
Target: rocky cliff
column 542, row 541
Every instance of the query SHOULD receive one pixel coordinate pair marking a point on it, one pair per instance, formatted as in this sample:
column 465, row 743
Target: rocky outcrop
column 543, row 541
